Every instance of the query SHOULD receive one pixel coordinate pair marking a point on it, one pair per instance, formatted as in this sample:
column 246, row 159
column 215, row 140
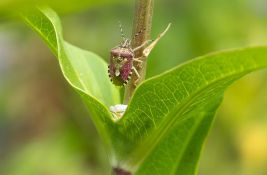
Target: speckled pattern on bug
column 121, row 64
column 121, row 61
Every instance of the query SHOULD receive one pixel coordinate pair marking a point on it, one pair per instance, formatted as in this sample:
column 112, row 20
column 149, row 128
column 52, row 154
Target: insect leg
column 138, row 76
column 138, row 60
column 121, row 30
column 142, row 45
column 135, row 71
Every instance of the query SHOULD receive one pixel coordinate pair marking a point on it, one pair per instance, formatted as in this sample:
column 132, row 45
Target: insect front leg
column 142, row 45
column 139, row 61
column 137, row 74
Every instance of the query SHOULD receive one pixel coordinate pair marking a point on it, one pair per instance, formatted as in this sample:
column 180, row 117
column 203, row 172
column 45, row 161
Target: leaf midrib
column 187, row 141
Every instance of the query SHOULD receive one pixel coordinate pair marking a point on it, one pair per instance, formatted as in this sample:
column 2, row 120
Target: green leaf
column 172, row 113
column 85, row 71
column 169, row 116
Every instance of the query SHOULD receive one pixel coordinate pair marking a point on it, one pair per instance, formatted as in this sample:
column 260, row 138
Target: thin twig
column 142, row 22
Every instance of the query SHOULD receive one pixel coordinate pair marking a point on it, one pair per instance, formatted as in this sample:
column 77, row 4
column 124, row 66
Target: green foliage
column 169, row 116
column 80, row 68
column 59, row 5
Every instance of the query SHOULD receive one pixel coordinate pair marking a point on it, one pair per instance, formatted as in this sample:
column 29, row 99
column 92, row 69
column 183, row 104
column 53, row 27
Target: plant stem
column 142, row 22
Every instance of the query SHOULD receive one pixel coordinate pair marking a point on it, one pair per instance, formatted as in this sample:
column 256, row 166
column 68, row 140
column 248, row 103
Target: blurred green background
column 45, row 128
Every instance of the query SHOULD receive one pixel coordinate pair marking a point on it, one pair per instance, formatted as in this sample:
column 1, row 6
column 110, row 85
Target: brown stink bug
column 121, row 61
column 122, row 57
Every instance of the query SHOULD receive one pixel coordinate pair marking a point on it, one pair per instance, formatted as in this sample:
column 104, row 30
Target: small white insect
column 118, row 110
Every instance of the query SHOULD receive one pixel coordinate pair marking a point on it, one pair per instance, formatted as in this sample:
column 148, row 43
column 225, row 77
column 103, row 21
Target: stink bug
column 121, row 61
column 121, row 64
column 122, row 57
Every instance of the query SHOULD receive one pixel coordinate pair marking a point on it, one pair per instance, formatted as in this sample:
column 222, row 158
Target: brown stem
column 142, row 22
column 120, row 171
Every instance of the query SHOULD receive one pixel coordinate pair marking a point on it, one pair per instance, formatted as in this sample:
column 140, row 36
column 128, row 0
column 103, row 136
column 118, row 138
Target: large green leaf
column 169, row 116
column 173, row 112
column 85, row 71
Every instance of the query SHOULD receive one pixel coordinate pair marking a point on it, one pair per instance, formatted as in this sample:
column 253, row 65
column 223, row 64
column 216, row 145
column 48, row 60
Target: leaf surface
column 85, row 71
column 173, row 112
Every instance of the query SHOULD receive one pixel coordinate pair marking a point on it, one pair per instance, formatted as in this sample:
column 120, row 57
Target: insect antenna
column 121, row 30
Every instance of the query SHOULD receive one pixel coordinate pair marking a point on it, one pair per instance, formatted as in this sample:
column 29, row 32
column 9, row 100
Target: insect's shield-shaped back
column 120, row 65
